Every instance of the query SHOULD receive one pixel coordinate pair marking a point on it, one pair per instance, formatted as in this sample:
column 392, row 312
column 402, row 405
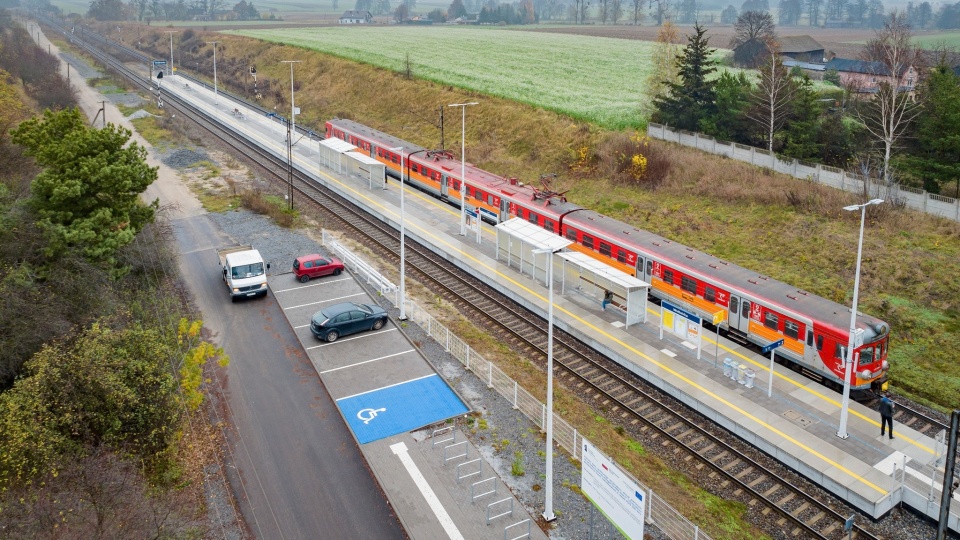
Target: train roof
column 514, row 188
column 787, row 297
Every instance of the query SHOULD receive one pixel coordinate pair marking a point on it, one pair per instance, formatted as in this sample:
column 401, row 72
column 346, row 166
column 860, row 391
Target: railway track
column 735, row 470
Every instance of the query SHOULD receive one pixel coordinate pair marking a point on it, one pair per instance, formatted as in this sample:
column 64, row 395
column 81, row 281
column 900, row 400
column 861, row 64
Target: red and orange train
column 753, row 307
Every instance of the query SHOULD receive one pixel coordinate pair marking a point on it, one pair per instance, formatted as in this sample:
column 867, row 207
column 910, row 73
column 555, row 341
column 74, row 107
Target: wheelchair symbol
column 369, row 414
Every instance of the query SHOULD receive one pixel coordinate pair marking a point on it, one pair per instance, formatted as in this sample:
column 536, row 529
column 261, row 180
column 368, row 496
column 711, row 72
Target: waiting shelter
column 517, row 242
column 345, row 158
column 586, row 274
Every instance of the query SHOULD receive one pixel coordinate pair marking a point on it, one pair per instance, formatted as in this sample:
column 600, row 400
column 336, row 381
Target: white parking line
column 367, row 361
column 325, row 301
column 367, row 334
column 324, row 282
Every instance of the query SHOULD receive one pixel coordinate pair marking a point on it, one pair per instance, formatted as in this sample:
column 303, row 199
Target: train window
column 771, row 321
column 809, row 337
column 605, row 249
column 571, row 235
column 587, row 242
column 490, row 199
column 668, row 276
column 709, row 294
column 791, row 329
column 532, row 218
column 688, row 284
column 478, row 194
column 866, row 356
column 649, row 267
column 745, row 309
column 838, row 351
column 547, row 224
column 734, row 304
column 621, row 256
column 456, row 185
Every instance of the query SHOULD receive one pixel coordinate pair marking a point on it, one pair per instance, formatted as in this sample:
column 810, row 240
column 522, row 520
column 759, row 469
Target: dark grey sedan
column 346, row 318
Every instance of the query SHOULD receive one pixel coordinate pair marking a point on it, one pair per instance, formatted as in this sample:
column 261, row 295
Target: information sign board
column 612, row 492
column 771, row 346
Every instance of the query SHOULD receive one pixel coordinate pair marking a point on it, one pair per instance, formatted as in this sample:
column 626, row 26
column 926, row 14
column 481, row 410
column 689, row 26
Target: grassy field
column 598, row 80
column 947, row 39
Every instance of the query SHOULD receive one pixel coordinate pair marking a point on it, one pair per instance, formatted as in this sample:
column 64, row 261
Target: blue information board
column 771, row 346
column 403, row 407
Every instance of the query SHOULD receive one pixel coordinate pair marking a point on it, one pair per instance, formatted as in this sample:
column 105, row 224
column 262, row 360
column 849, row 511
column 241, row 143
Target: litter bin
column 742, row 374
column 750, row 375
column 728, row 367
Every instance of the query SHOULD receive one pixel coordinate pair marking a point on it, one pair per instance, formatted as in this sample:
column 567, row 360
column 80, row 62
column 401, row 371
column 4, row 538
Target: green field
column 949, row 39
column 598, row 80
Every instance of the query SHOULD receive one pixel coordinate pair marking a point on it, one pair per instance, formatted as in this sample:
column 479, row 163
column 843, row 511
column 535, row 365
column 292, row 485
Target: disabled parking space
column 380, row 381
column 399, row 408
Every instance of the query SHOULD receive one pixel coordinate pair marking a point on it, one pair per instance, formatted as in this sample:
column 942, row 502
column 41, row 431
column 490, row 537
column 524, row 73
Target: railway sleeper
column 798, row 511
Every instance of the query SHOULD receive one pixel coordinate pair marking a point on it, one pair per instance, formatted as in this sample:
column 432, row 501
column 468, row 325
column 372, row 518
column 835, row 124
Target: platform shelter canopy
column 517, row 239
column 331, row 153
column 592, row 277
column 366, row 167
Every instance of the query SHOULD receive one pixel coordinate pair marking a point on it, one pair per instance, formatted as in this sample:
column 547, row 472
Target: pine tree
column 693, row 99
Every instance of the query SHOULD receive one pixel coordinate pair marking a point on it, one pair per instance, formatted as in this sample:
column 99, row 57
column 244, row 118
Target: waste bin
column 728, row 367
column 742, row 374
column 750, row 375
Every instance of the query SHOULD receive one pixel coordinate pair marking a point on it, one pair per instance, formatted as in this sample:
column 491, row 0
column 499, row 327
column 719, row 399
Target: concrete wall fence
column 918, row 199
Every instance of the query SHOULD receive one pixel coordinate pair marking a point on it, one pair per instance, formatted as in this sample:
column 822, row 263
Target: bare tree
column 637, row 14
column 889, row 112
column 813, row 11
column 752, row 24
column 773, row 95
column 604, row 10
column 663, row 10
column 616, row 10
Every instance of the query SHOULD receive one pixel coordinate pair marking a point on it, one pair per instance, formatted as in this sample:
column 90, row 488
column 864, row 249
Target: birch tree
column 888, row 113
column 773, row 96
column 665, row 72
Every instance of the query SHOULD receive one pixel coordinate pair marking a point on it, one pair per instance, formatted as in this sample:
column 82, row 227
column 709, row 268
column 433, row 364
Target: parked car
column 346, row 318
column 313, row 266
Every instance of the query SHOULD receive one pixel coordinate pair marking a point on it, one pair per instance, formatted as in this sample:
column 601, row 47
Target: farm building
column 864, row 76
column 356, row 17
column 802, row 49
column 753, row 52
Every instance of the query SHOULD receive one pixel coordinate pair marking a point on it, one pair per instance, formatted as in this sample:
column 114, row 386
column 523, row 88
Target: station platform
column 797, row 424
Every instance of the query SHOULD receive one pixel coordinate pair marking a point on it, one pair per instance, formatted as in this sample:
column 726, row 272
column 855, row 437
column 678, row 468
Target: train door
column 739, row 315
column 504, row 209
column 640, row 273
column 444, row 188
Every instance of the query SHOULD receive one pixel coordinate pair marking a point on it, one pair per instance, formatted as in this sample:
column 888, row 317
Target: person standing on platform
column 607, row 298
column 886, row 415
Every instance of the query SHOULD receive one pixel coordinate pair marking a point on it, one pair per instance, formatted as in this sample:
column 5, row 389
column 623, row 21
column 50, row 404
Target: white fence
column 659, row 512
column 917, row 199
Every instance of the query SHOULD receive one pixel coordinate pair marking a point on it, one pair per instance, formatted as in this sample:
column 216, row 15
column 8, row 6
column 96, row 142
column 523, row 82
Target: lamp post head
column 853, row 207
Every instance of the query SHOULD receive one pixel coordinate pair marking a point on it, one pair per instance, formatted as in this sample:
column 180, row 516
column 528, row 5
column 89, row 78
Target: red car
column 311, row 266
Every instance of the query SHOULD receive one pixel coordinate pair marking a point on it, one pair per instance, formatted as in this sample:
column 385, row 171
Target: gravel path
column 80, row 66
column 182, row 158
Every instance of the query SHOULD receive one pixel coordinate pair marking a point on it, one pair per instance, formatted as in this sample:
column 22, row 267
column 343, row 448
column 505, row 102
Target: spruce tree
column 693, row 99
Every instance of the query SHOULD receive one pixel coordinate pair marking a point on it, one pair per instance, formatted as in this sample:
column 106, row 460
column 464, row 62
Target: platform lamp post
column 403, row 235
column 548, row 514
column 848, row 369
column 291, row 132
column 171, row 33
column 215, row 96
column 463, row 166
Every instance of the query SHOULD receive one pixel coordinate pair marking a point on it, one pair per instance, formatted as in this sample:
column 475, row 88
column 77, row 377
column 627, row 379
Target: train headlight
column 866, row 374
column 886, row 365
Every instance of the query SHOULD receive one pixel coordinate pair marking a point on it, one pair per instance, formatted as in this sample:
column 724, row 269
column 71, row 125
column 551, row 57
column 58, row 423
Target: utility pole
column 291, row 132
column 171, row 33
column 442, row 147
column 215, row 96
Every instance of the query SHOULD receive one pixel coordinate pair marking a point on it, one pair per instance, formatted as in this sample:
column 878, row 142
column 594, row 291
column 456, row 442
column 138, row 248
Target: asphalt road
column 299, row 473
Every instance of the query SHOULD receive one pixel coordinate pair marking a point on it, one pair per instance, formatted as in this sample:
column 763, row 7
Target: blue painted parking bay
column 399, row 408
